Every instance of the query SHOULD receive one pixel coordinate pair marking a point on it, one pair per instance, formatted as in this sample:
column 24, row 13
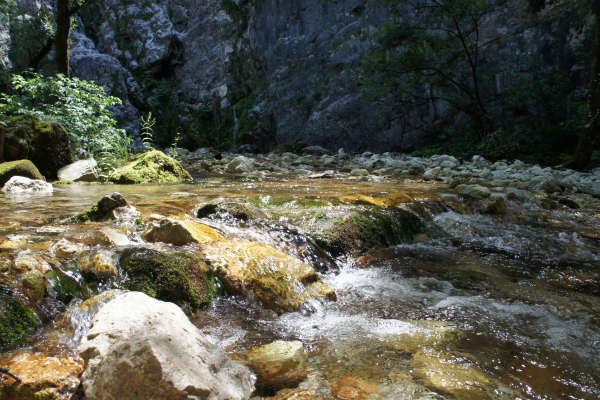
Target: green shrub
column 82, row 107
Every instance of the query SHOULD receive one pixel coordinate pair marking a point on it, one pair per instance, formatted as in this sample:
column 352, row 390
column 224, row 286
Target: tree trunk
column 590, row 134
column 63, row 28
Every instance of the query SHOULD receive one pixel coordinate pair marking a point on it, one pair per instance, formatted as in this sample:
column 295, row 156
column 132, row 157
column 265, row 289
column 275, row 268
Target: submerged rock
column 79, row 171
column 279, row 281
column 179, row 277
column 278, row 365
column 425, row 334
column 142, row 348
column 350, row 388
column 19, row 168
column 150, row 167
column 180, row 232
column 42, row 377
column 19, row 185
column 101, row 264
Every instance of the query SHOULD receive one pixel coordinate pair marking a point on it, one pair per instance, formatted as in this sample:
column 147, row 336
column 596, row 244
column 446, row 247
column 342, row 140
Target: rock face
column 141, row 348
column 279, row 281
column 46, row 143
column 48, row 378
column 178, row 277
column 19, row 168
column 19, row 186
column 151, row 167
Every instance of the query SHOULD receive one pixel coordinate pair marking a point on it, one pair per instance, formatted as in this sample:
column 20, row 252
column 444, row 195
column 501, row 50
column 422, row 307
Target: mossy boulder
column 279, row 281
column 179, row 277
column 45, row 143
column 362, row 230
column 150, row 167
column 103, row 209
column 17, row 321
column 19, row 168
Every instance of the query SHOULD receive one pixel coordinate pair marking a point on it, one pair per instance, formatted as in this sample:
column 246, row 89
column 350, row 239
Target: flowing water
column 518, row 294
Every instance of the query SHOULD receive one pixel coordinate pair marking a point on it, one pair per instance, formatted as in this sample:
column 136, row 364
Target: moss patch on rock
column 17, row 321
column 150, row 167
column 46, row 143
column 19, row 168
column 367, row 229
column 102, row 210
column 179, row 277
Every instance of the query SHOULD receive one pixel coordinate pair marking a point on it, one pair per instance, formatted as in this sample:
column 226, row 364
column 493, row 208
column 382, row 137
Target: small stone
column 240, row 164
column 476, row 192
column 34, row 285
column 65, row 249
column 495, row 204
column 101, row 264
column 359, row 172
column 180, row 232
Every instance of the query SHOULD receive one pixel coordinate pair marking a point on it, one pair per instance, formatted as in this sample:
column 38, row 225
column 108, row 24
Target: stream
column 479, row 307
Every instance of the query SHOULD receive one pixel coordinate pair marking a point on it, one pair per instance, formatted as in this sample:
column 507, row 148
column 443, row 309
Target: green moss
column 19, row 168
column 150, row 167
column 371, row 228
column 180, row 277
column 17, row 321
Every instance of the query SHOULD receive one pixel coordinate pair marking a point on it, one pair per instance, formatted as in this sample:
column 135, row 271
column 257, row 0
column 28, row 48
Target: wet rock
column 26, row 261
column 151, row 167
column 142, row 348
column 517, row 194
column 178, row 277
column 66, row 285
column 241, row 211
column 108, row 207
column 476, row 192
column 66, row 249
column 240, row 165
column 113, row 237
column 425, row 334
column 17, row 321
column 292, row 394
column 19, row 168
column 101, row 264
column 45, row 143
column 279, row 281
column 34, row 285
column 451, row 374
column 350, row 388
column 359, row 231
column 19, row 186
column 180, row 232
column 359, row 172
column 43, row 377
column 79, row 171
column 278, row 365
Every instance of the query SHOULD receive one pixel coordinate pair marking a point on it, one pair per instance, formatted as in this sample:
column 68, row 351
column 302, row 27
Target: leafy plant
column 82, row 107
column 146, row 130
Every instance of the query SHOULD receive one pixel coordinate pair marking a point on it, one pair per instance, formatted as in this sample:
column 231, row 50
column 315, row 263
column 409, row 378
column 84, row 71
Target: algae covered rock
column 150, row 167
column 46, row 143
column 364, row 230
column 43, row 377
column 279, row 281
column 179, row 277
column 19, row 168
column 278, row 365
column 142, row 348
column 17, row 321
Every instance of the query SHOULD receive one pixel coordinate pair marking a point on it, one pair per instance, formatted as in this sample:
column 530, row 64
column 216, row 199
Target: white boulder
column 142, row 348
column 19, row 185
column 79, row 171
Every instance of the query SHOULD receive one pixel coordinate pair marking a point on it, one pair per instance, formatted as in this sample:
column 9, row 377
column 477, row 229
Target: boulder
column 46, row 143
column 279, row 281
column 19, row 168
column 240, row 165
column 476, row 192
column 21, row 186
column 278, row 365
column 179, row 277
column 150, row 167
column 179, row 232
column 142, row 348
column 42, row 377
column 79, row 171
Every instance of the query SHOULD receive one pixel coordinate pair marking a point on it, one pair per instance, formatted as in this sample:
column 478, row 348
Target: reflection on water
column 501, row 322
